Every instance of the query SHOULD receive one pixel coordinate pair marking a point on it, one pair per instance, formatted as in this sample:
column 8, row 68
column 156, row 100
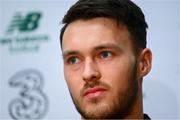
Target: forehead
column 94, row 32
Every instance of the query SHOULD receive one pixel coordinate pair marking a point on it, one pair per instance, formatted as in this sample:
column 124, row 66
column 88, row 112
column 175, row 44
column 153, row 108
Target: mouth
column 95, row 92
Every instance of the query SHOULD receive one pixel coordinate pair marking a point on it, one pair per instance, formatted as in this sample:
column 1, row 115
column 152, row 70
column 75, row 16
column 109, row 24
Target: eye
column 105, row 54
column 73, row 60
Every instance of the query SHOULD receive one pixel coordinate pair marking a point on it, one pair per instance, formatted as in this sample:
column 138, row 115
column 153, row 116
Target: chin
column 102, row 110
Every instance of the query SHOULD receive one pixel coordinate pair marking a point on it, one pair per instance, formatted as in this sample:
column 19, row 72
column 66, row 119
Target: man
column 105, row 58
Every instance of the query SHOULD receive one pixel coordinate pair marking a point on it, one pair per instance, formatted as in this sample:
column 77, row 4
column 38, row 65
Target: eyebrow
column 96, row 48
column 70, row 52
column 108, row 46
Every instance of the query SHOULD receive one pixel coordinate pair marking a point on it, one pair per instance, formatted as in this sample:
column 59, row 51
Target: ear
column 145, row 61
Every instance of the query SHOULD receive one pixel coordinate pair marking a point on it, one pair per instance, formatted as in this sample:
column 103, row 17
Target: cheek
column 117, row 73
column 73, row 81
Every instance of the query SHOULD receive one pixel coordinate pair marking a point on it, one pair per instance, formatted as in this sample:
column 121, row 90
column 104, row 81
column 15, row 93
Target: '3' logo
column 32, row 103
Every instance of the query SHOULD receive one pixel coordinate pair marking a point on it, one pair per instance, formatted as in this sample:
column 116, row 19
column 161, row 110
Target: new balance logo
column 25, row 24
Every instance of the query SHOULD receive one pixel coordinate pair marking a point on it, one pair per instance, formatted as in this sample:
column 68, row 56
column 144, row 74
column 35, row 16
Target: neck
column 136, row 112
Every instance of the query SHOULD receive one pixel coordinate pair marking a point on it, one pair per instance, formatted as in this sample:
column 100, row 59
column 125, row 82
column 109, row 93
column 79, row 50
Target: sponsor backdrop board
column 31, row 70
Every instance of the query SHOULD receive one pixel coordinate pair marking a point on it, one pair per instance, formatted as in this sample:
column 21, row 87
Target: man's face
column 100, row 68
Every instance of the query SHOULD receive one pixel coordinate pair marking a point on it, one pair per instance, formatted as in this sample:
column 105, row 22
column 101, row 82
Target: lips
column 94, row 92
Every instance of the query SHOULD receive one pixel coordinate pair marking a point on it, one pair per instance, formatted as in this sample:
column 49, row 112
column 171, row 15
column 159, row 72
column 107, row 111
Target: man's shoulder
column 146, row 117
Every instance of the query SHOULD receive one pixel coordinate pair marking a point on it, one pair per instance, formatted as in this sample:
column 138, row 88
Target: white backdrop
column 31, row 69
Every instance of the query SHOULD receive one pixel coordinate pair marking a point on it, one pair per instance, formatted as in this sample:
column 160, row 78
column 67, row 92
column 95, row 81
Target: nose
column 90, row 71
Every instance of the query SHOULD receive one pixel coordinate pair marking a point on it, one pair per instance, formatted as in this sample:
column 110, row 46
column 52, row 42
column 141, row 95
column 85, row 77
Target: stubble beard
column 117, row 109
